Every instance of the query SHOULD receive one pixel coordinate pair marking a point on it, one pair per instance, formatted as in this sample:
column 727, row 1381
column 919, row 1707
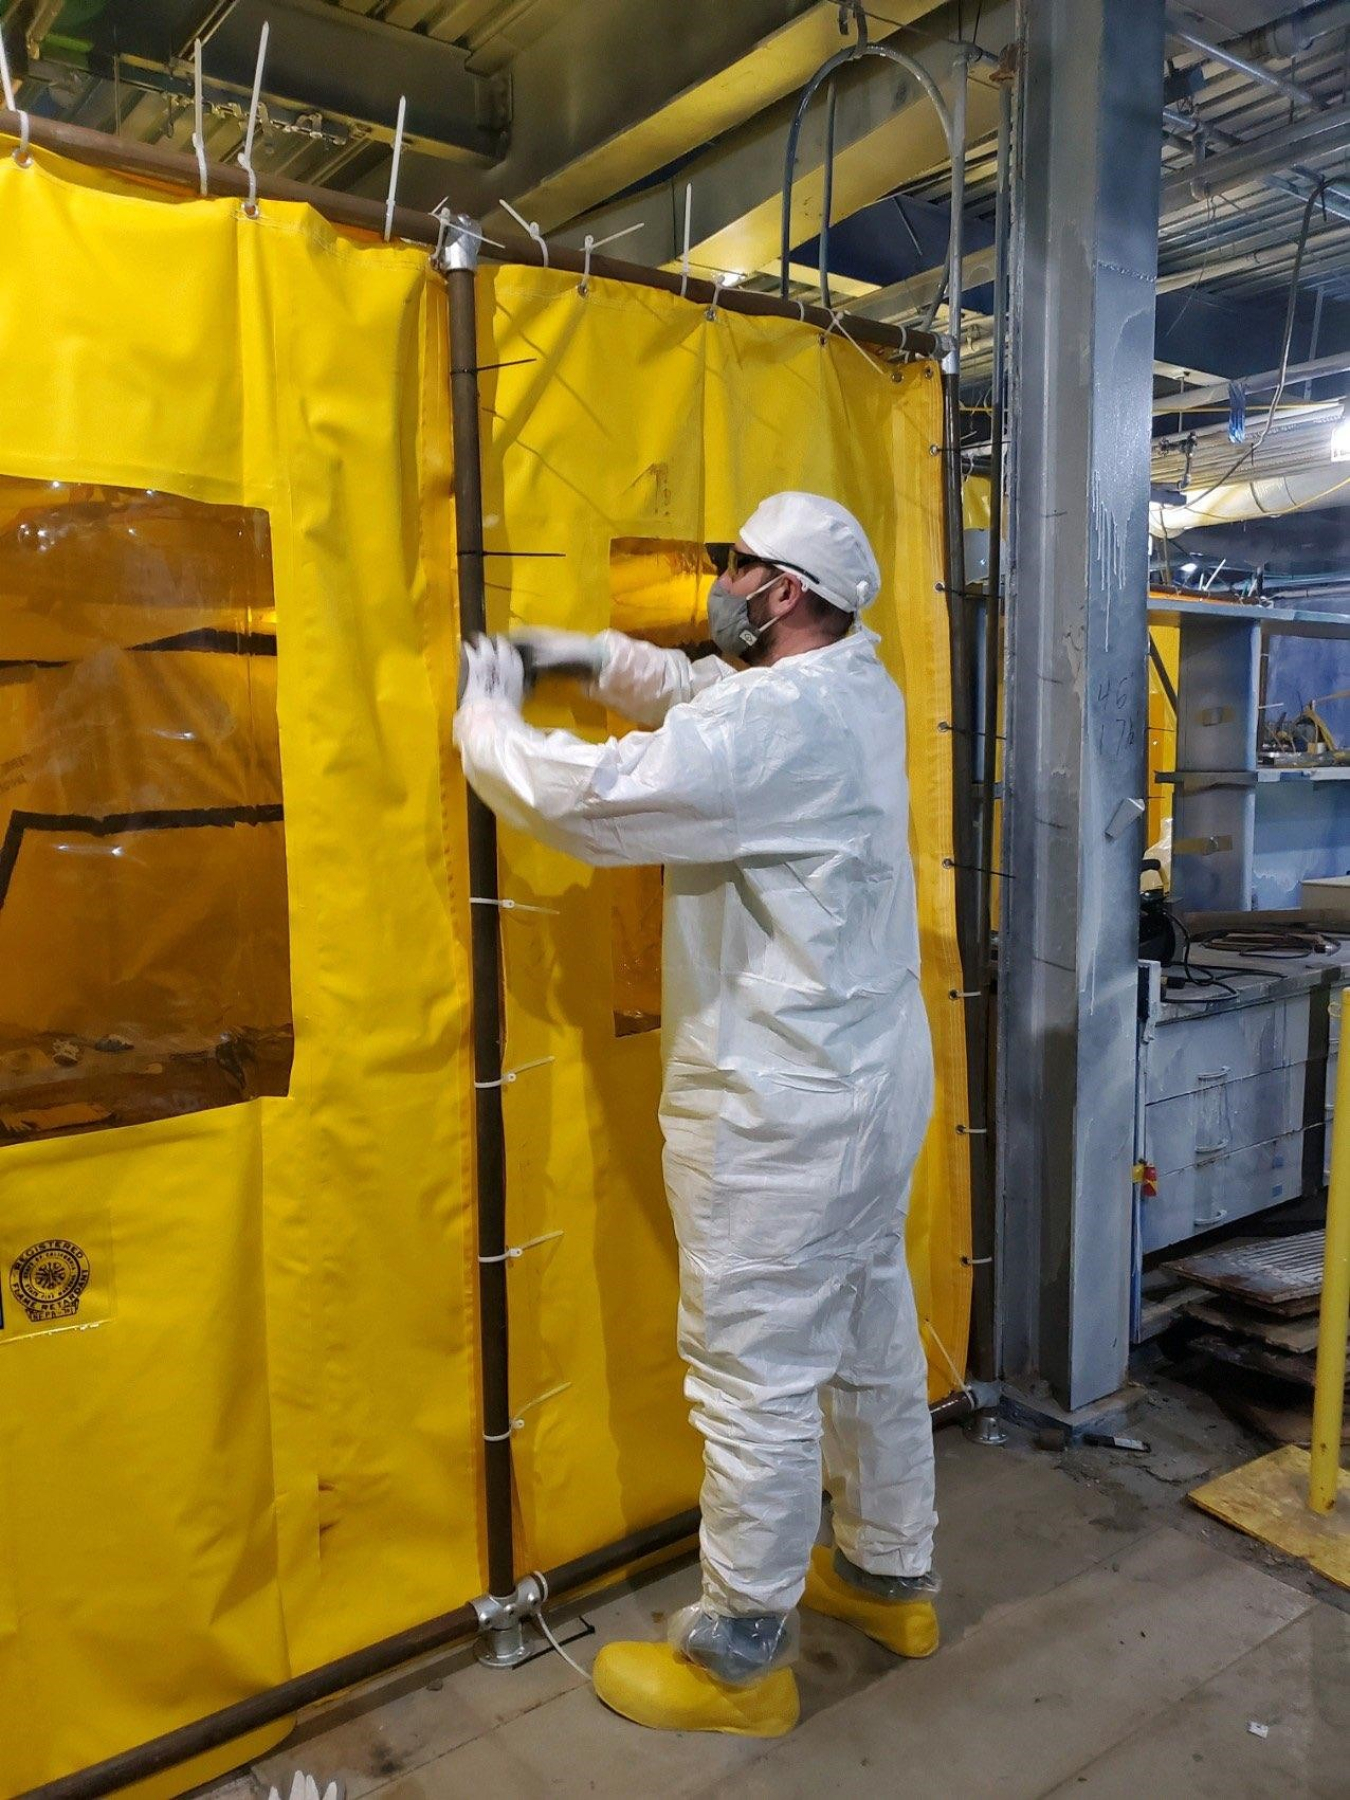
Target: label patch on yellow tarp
column 56, row 1282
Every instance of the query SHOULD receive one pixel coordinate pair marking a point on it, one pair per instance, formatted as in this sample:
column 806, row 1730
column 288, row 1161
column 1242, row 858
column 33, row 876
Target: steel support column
column 1083, row 288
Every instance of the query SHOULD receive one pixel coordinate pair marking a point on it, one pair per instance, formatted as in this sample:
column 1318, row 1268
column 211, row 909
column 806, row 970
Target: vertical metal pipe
column 971, row 884
column 485, row 929
column 984, row 1285
column 827, row 201
column 964, row 797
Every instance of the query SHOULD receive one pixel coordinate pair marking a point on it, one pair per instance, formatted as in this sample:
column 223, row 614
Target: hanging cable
column 1291, row 306
column 571, row 1662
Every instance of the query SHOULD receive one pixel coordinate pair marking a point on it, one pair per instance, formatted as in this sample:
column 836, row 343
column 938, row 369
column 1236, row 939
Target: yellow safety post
column 1288, row 1499
column 1334, row 1319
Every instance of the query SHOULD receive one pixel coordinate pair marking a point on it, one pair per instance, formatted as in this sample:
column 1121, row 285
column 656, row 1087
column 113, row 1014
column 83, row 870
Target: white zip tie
column 836, row 324
column 393, row 172
column 964, row 993
column 198, row 125
column 972, row 1130
column 21, row 155
column 957, row 1376
column 246, row 154
column 512, row 905
column 518, row 1250
column 511, row 1074
column 532, row 227
column 539, row 1399
column 448, row 220
column 518, row 1423
column 711, row 314
column 801, row 309
column 684, row 261
column 592, row 244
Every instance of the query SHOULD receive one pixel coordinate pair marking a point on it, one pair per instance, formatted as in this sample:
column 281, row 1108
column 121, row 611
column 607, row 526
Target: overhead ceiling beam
column 321, row 57
column 916, row 293
column 646, row 85
column 886, row 134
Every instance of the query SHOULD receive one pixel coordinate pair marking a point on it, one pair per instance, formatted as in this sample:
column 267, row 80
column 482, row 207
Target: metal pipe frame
column 507, row 1603
column 154, row 163
column 984, row 1352
column 485, row 940
column 458, row 1627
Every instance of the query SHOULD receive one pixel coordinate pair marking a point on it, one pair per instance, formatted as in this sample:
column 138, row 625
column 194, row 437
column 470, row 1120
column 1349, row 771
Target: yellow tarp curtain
column 258, row 1445
column 624, row 417
column 266, row 1451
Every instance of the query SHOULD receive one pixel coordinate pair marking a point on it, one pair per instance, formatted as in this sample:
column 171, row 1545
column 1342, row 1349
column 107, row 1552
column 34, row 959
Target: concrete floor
column 1101, row 1637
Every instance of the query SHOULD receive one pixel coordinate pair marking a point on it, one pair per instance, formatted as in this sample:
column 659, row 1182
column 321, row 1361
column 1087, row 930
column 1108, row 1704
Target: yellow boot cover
column 908, row 1627
column 652, row 1684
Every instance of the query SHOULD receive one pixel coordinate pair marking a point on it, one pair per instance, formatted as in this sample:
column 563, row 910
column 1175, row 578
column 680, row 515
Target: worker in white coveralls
column 798, row 1084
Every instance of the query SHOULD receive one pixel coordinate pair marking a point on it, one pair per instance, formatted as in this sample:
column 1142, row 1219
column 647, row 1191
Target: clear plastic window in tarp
column 144, row 966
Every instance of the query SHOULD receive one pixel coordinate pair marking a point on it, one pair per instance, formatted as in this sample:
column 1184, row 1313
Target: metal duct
column 1327, row 484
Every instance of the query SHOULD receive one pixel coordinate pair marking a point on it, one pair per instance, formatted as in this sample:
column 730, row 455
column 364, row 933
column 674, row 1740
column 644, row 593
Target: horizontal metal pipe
column 289, row 1697
column 1297, row 182
column 1217, row 393
column 1316, row 134
column 448, row 1629
column 153, row 162
column 1239, row 64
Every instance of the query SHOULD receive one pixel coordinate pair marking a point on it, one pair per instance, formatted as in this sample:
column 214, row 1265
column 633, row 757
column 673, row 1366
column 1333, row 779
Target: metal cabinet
column 1232, row 1101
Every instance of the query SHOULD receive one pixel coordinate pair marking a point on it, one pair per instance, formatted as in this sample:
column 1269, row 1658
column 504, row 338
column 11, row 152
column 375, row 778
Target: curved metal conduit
column 952, row 122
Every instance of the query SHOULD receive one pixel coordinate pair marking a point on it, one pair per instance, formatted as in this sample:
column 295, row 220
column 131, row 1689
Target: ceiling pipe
column 1299, row 32
column 1326, row 485
column 1193, row 399
column 1239, row 64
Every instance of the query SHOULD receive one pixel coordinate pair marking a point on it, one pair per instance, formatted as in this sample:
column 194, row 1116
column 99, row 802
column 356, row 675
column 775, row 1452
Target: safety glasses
column 729, row 562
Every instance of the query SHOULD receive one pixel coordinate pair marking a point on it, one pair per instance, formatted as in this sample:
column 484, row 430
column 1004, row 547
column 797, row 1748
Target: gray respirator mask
column 729, row 619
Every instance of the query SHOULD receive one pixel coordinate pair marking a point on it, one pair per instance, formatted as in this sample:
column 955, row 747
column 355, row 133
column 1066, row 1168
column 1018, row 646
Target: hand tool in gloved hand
column 574, row 655
column 569, row 655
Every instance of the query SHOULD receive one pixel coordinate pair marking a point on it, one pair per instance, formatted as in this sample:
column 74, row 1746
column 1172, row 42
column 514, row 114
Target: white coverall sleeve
column 650, row 797
column 642, row 681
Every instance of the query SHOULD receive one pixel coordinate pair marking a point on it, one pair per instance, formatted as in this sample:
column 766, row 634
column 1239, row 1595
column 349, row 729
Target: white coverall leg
column 798, row 1074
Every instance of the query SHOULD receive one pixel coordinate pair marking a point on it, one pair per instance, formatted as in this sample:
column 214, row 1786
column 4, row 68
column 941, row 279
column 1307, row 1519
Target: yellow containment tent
column 239, row 1384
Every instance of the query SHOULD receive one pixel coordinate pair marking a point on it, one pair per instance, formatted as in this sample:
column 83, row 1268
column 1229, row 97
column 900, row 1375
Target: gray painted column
column 1083, row 288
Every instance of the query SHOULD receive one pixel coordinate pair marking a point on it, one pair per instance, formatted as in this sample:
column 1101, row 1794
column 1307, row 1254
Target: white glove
column 491, row 668
column 549, row 652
